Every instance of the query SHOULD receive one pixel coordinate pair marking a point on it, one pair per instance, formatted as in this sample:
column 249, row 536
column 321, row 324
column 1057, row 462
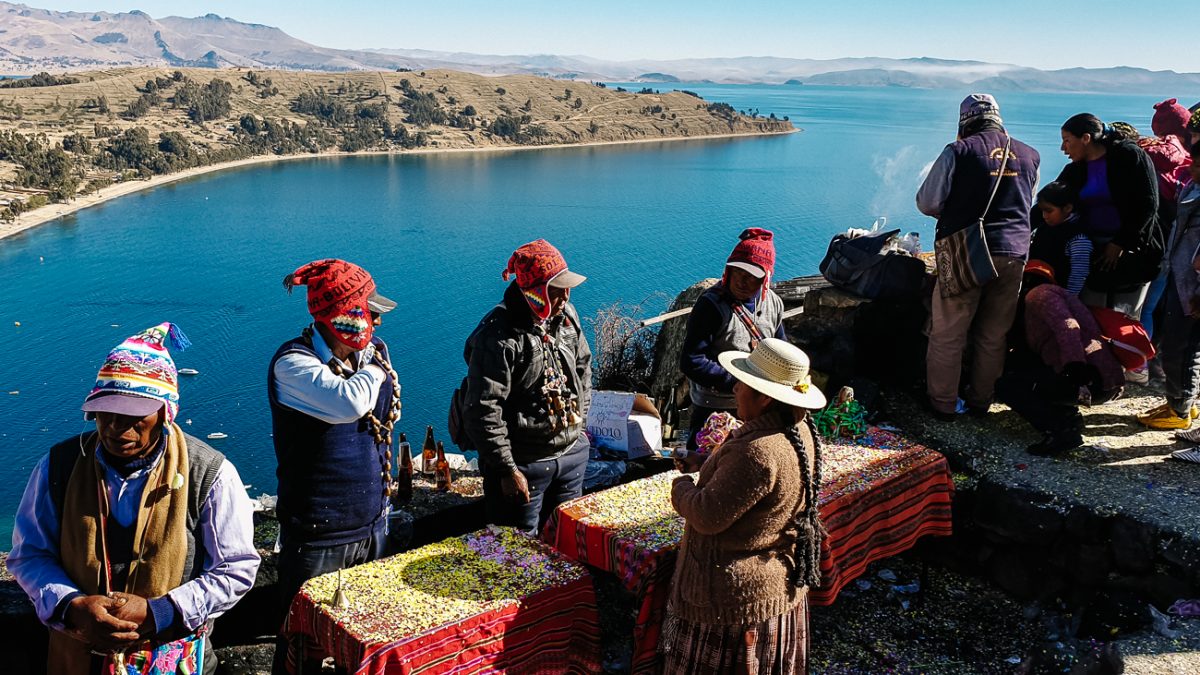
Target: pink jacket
column 1061, row 329
column 1171, row 161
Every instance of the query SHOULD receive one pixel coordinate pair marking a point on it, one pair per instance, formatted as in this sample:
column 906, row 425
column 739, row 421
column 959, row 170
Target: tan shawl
column 159, row 540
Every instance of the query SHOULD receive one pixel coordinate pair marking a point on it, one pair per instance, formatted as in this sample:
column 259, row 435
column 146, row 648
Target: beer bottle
column 428, row 453
column 404, row 482
column 443, row 470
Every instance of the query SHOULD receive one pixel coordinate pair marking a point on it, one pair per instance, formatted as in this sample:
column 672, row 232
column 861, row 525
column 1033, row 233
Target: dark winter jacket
column 1133, row 186
column 505, row 415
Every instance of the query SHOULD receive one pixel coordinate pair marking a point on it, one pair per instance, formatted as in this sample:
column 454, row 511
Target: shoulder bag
column 963, row 259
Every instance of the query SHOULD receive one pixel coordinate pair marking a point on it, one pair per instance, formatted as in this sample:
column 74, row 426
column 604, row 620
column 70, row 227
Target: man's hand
column 134, row 608
column 92, row 619
column 515, row 486
column 1109, row 256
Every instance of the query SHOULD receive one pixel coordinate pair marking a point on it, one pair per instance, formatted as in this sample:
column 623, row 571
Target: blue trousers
column 551, row 482
column 1153, row 297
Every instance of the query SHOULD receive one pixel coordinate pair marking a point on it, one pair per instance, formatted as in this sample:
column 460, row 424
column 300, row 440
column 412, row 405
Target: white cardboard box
column 624, row 423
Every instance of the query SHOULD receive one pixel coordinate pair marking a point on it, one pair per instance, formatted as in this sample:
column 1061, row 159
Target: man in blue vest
column 956, row 192
column 334, row 399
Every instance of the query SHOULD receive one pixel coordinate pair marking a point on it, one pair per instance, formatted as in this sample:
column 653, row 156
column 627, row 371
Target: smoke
column 899, row 177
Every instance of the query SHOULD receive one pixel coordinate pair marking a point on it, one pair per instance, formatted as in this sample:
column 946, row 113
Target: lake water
column 642, row 221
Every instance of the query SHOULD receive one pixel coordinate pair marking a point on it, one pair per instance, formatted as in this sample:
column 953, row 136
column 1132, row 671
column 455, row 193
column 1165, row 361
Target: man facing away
column 334, row 400
column 529, row 382
column 956, row 192
column 130, row 539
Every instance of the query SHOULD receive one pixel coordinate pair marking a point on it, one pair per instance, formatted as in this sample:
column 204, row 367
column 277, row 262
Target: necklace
column 380, row 429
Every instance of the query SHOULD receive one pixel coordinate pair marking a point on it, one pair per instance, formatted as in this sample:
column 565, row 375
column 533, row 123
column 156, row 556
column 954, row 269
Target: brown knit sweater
column 739, row 535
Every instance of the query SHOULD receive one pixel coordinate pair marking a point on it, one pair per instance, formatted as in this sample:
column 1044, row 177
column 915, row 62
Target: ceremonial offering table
column 878, row 496
column 492, row 601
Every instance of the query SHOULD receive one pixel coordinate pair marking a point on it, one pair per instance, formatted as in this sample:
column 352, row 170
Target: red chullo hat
column 337, row 298
column 754, row 253
column 757, row 247
column 1170, row 118
column 537, row 266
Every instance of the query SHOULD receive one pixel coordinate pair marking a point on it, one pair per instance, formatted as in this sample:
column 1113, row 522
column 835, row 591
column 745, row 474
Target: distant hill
column 33, row 40
column 65, row 135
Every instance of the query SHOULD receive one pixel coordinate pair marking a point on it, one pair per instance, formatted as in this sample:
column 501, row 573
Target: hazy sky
column 1096, row 33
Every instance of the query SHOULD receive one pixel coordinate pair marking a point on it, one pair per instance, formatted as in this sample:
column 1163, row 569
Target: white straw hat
column 778, row 369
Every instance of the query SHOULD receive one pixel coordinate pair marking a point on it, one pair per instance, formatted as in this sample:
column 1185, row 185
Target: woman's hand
column 1109, row 256
column 689, row 463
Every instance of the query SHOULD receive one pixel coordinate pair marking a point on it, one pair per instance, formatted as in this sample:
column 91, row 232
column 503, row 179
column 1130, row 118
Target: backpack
column 1129, row 341
column 458, row 400
column 858, row 265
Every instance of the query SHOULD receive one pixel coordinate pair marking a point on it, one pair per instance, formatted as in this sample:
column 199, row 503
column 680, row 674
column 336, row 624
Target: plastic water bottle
column 911, row 243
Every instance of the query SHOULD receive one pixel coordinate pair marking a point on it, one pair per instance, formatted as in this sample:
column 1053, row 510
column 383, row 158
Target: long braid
column 810, row 530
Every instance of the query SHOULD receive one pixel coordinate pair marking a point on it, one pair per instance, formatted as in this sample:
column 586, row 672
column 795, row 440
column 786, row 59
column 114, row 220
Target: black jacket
column 505, row 415
column 1134, row 190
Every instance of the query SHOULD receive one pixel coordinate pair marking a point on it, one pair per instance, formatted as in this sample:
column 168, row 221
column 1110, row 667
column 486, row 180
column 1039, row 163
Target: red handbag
column 1129, row 340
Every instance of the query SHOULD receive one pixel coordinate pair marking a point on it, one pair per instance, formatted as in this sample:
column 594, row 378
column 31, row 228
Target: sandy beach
column 51, row 212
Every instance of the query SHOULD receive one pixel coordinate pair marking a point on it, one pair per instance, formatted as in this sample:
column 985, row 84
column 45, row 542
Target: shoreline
column 50, row 212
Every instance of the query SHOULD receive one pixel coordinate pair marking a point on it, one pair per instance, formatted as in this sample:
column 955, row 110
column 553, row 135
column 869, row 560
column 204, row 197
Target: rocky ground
column 1122, row 468
column 882, row 624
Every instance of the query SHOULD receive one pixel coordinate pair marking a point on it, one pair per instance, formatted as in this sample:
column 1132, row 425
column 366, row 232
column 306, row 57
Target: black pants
column 300, row 562
column 551, row 482
column 1046, row 400
column 1180, row 356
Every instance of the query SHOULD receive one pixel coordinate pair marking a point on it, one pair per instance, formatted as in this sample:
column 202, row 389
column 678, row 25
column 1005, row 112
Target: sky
column 1022, row 32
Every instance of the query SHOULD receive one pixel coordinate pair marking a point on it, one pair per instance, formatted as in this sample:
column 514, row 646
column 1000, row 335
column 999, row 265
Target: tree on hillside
column 133, row 149
column 203, row 103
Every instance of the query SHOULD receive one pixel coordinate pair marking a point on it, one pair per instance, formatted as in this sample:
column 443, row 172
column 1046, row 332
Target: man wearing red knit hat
column 733, row 315
column 529, row 381
column 334, row 399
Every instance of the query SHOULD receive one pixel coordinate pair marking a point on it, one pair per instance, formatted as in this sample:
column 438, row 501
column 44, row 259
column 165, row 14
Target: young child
column 1181, row 318
column 1059, row 239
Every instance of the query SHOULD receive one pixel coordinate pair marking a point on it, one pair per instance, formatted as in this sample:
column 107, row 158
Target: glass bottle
column 444, row 478
column 428, row 453
column 404, row 482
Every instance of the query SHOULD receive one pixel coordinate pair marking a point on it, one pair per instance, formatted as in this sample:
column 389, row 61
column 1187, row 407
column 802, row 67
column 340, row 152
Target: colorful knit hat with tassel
column 537, row 266
column 139, row 375
column 755, row 253
column 337, row 298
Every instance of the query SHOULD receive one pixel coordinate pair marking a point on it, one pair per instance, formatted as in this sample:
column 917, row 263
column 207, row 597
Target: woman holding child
column 752, row 537
column 1118, row 200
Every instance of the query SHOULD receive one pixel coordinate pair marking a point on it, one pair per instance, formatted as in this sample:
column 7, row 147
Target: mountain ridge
column 34, row 39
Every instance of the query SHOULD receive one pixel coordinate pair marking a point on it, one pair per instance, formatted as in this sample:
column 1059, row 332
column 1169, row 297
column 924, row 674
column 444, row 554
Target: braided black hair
column 810, row 530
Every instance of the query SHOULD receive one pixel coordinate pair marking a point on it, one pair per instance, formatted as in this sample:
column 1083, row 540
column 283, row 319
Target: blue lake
column 642, row 221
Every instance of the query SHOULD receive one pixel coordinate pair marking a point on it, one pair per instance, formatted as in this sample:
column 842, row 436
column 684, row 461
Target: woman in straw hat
column 752, row 537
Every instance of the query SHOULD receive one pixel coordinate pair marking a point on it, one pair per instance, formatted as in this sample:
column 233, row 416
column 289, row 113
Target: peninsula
column 68, row 141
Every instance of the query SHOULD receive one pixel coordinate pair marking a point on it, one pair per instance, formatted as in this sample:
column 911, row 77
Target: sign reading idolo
column 624, row 423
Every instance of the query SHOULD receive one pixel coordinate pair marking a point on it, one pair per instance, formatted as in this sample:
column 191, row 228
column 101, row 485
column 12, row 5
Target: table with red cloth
column 878, row 495
column 495, row 600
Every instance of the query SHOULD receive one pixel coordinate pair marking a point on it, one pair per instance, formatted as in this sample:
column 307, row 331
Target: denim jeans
column 298, row 563
column 1153, row 296
column 551, row 482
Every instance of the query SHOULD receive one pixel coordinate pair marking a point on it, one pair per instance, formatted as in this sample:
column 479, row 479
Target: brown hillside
column 349, row 112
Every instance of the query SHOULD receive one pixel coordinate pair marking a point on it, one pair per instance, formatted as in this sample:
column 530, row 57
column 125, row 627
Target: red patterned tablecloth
column 878, row 496
column 492, row 601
